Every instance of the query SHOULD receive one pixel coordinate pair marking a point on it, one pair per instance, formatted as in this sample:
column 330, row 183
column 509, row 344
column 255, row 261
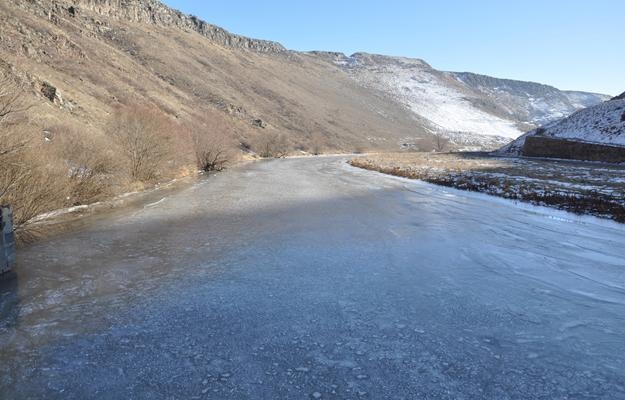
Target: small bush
column 90, row 165
column 623, row 117
column 30, row 180
column 272, row 145
column 212, row 153
column 316, row 145
column 359, row 149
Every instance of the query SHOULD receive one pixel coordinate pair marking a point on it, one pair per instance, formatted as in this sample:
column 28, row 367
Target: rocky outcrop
column 155, row 12
column 48, row 91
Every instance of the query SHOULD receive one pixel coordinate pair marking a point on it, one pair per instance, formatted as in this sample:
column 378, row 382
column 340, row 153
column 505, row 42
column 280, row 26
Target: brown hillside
column 103, row 54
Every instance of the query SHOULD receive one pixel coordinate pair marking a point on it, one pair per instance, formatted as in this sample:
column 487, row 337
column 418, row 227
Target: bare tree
column 12, row 139
column 144, row 135
column 12, row 104
column 440, row 143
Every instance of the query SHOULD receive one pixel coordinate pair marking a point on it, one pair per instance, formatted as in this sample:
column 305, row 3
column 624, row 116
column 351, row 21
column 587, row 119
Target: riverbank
column 578, row 187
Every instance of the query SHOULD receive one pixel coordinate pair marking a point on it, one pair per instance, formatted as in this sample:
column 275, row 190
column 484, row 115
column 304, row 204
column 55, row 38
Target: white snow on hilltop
column 603, row 123
column 470, row 110
column 433, row 95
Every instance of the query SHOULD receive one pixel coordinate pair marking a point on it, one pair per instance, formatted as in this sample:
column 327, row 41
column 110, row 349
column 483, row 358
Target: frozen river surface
column 306, row 278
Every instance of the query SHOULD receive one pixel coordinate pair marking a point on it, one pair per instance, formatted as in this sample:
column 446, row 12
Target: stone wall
column 547, row 147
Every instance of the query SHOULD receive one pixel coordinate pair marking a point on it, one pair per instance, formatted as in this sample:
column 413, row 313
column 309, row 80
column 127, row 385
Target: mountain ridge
column 470, row 110
column 157, row 13
column 98, row 54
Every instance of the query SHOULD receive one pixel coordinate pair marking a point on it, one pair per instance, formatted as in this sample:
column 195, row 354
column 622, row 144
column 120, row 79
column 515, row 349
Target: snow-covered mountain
column 529, row 102
column 470, row 110
column 600, row 124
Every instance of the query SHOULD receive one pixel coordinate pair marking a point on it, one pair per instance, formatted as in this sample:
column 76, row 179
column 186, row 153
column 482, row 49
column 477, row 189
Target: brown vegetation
column 212, row 149
column 63, row 166
column 84, row 71
column 272, row 145
column 26, row 182
column 211, row 154
column 90, row 165
column 145, row 137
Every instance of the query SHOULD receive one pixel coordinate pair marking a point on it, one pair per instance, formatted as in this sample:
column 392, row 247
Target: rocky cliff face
column 154, row 12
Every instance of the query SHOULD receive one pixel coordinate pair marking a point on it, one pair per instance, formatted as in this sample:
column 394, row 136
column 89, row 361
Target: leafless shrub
column 12, row 104
column 29, row 180
column 316, row 145
column 272, row 145
column 144, row 135
column 42, row 188
column 11, row 99
column 359, row 149
column 212, row 149
column 211, row 153
column 90, row 165
column 12, row 168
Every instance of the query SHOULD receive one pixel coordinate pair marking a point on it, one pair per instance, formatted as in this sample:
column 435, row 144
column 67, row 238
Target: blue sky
column 568, row 44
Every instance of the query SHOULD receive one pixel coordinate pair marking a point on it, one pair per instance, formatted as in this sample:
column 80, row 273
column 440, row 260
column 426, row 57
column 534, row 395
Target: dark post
column 7, row 239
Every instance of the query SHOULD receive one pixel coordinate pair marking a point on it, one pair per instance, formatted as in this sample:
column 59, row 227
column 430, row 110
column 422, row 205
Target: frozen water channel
column 307, row 278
